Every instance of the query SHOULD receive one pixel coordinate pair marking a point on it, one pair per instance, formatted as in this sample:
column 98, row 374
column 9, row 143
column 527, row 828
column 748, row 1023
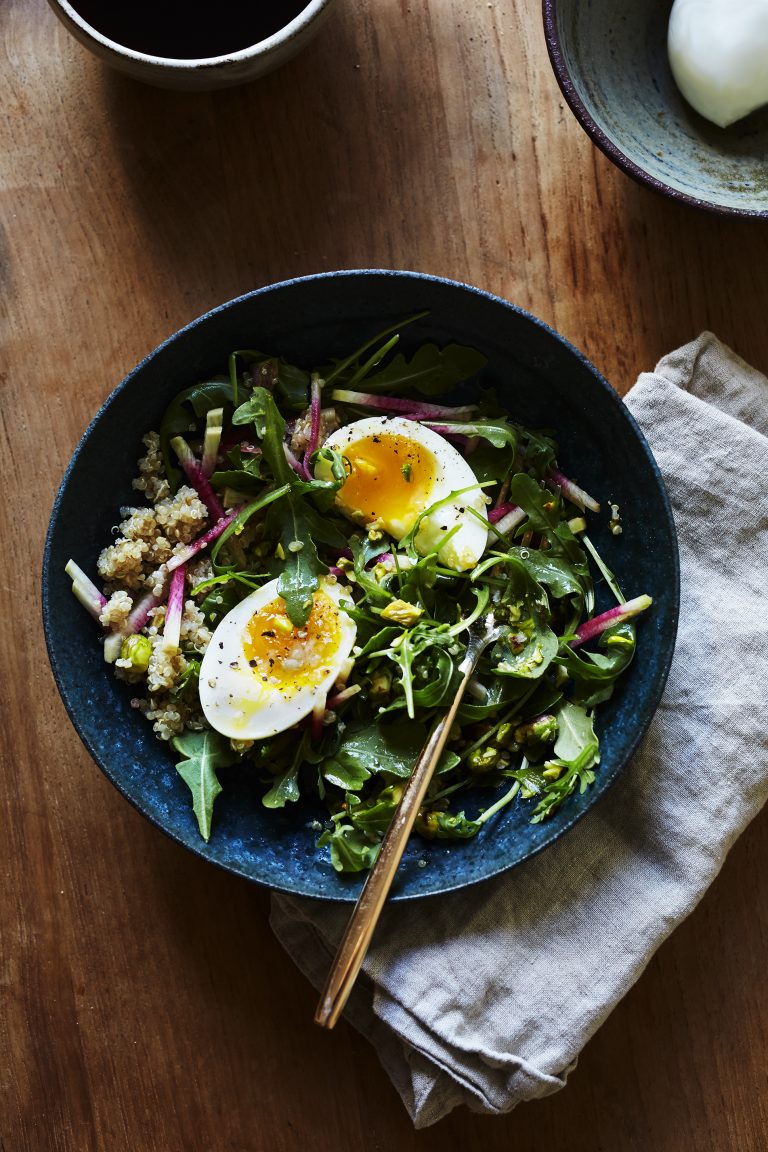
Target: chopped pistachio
column 402, row 612
column 483, row 759
column 138, row 650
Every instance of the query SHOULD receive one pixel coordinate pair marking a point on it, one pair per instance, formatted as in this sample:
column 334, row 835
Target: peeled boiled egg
column 396, row 470
column 261, row 674
column 718, row 52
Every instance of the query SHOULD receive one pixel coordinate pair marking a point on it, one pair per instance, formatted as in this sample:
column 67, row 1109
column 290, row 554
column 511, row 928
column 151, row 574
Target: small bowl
column 205, row 72
column 610, row 60
column 542, row 379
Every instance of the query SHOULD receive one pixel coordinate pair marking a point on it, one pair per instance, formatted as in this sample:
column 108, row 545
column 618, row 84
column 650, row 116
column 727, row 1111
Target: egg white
column 718, row 53
column 439, row 473
column 245, row 702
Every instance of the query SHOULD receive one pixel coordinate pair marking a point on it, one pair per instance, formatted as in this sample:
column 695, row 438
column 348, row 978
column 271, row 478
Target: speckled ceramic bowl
column 539, row 377
column 202, row 73
column 610, row 59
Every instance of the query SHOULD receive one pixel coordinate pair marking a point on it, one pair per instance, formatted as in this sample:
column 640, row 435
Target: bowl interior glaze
column 610, row 60
column 543, row 380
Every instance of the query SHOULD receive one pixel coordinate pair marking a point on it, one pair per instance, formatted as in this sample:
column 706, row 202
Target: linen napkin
column 486, row 996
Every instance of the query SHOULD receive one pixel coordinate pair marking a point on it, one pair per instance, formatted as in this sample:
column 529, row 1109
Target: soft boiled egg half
column 718, row 52
column 396, row 470
column 261, row 674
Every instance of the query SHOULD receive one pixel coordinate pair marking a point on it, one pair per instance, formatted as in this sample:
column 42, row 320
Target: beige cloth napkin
column 486, row 996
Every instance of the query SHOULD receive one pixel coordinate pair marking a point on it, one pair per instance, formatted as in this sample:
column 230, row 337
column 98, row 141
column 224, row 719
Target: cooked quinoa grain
column 122, row 564
column 151, row 479
column 181, row 517
column 329, row 422
column 117, row 609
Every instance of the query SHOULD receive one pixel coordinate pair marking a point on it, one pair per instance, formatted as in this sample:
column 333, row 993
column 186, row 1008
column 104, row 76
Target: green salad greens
column 257, row 445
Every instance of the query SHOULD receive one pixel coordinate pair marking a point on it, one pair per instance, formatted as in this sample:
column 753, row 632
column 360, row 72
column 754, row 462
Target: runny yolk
column 285, row 656
column 389, row 479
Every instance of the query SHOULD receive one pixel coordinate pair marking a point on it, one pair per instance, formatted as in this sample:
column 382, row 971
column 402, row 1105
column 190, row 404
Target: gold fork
column 365, row 915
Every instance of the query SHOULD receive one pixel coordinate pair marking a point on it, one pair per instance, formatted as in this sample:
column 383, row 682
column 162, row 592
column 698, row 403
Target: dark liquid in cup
column 188, row 29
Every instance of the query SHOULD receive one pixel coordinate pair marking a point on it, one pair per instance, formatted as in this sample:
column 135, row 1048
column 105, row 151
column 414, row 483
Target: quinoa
column 181, row 517
column 151, row 479
column 194, row 631
column 199, row 570
column 133, row 566
column 165, row 666
column 116, row 610
column 169, row 715
column 121, row 564
column 329, row 422
column 148, row 537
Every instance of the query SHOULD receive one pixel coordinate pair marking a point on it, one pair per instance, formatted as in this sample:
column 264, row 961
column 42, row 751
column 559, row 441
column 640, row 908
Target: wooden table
column 144, row 1004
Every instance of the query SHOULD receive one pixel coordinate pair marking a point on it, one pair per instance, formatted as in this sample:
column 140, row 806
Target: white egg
column 397, row 469
column 260, row 674
column 718, row 52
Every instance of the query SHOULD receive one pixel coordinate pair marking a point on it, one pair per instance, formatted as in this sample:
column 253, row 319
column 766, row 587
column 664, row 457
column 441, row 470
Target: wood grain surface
column 144, row 1004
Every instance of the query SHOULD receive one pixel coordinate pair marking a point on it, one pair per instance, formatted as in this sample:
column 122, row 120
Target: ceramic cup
column 219, row 68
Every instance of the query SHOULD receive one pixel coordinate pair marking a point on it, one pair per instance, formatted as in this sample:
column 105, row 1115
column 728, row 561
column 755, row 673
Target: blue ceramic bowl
column 540, row 377
column 610, row 59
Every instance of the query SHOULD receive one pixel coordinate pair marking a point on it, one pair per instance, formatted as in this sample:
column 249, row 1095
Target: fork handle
column 365, row 916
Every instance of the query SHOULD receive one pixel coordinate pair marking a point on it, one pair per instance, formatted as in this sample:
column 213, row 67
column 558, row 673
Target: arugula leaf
column 496, row 432
column 575, row 731
column 579, row 772
column 192, row 403
column 576, row 754
column 205, row 752
column 375, row 816
column 501, row 693
column 529, row 645
column 489, row 463
column 390, row 748
column 285, row 788
column 302, row 567
column 545, row 518
column 540, row 452
column 555, row 572
column 297, row 524
column 246, row 472
column 290, row 383
column 222, row 593
column 351, row 849
column 446, row 826
column 261, row 410
column 406, row 652
column 595, row 673
column 244, row 515
column 431, row 370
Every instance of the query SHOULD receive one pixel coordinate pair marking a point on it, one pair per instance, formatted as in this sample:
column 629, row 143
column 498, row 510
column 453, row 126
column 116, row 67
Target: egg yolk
column 388, row 480
column 288, row 657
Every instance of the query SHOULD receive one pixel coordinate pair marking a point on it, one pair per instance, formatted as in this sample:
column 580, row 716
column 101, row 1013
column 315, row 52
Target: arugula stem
column 507, row 798
column 503, row 719
column 344, row 364
column 609, row 577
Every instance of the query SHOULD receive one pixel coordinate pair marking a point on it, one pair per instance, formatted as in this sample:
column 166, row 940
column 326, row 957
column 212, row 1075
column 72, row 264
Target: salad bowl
column 541, row 379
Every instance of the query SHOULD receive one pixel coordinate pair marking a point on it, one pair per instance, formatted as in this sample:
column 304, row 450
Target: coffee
column 188, row 29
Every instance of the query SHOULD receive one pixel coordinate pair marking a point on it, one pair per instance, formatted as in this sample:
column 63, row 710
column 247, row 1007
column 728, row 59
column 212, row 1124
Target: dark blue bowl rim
column 606, row 145
column 653, row 698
